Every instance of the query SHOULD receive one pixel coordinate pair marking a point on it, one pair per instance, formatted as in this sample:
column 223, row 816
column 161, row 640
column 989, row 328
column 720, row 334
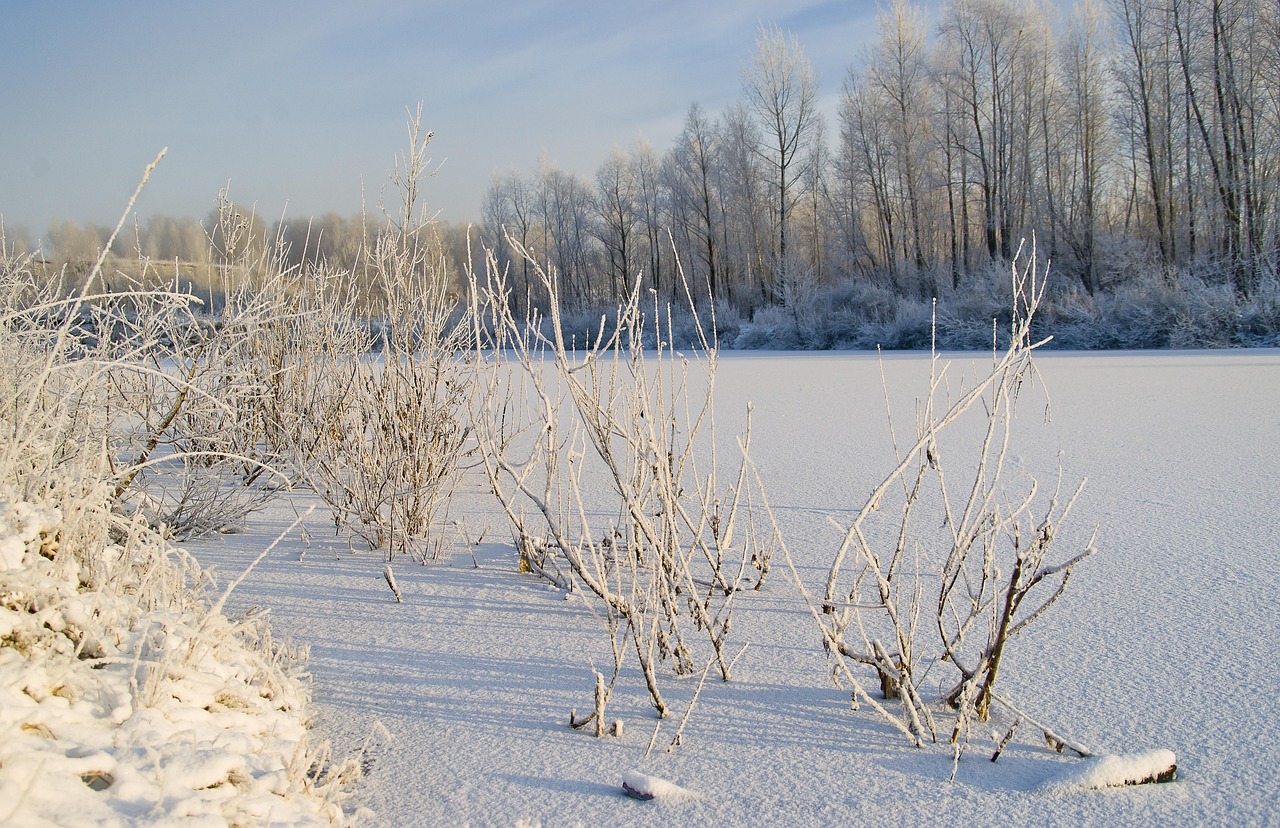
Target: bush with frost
column 603, row 457
column 126, row 695
column 380, row 432
column 950, row 558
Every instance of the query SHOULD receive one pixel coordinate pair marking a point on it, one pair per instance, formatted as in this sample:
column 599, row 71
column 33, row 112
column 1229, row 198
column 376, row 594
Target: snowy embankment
column 124, row 699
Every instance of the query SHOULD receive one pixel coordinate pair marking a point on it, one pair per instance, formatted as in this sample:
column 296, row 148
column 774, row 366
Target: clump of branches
column 207, row 424
column 98, row 603
column 603, row 457
column 949, row 560
column 350, row 382
column 119, row 368
column 380, row 433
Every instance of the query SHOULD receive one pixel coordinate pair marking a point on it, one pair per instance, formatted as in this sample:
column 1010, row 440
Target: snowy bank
column 125, row 700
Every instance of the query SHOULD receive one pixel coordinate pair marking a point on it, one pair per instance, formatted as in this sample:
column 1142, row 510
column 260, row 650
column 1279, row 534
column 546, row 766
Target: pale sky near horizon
column 297, row 105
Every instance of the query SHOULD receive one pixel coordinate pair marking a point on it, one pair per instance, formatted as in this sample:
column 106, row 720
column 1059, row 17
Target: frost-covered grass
column 127, row 696
column 125, row 700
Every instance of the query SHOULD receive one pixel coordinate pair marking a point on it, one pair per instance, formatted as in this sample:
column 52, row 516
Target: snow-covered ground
column 1166, row 640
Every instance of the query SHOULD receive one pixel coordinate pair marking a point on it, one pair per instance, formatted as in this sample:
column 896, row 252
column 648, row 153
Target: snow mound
column 1114, row 771
column 125, row 700
column 640, row 786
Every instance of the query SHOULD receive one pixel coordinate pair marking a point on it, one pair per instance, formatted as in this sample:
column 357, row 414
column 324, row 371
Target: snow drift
column 125, row 700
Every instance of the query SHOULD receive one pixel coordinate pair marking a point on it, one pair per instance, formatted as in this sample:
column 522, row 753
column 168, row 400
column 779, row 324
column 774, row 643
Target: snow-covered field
column 1166, row 639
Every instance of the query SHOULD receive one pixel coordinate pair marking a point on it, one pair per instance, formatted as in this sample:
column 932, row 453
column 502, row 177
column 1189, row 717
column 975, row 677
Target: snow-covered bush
column 1260, row 316
column 1138, row 307
column 187, row 415
column 380, row 433
column 126, row 696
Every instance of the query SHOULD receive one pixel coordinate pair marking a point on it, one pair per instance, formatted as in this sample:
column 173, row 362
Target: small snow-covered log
column 1115, row 771
column 640, row 786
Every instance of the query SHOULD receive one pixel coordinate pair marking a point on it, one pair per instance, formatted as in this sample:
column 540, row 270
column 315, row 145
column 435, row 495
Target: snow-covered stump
column 1114, row 771
column 643, row 787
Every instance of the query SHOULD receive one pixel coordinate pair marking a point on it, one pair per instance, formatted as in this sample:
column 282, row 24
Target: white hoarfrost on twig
column 1114, row 771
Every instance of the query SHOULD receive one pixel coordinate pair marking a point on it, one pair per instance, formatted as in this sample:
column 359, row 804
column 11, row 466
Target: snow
column 1164, row 643
column 123, row 701
column 644, row 787
column 1112, row 772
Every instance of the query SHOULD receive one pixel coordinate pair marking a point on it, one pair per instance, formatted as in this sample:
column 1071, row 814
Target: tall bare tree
column 616, row 205
column 867, row 164
column 747, row 245
column 1084, row 60
column 695, row 165
column 782, row 92
column 1147, row 40
column 899, row 73
column 653, row 214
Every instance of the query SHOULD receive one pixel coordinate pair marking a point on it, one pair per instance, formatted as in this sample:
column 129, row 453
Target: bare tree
column 866, row 164
column 782, row 92
column 747, row 245
column 653, row 211
column 1084, row 60
column 511, row 207
column 564, row 202
column 616, row 210
column 695, row 163
column 1223, row 49
column 1146, row 38
column 989, row 42
column 899, row 73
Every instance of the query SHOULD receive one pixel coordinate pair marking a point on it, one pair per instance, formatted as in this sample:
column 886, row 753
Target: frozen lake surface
column 1165, row 639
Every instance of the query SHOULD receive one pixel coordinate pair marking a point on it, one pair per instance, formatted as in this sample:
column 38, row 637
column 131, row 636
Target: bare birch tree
column 782, row 92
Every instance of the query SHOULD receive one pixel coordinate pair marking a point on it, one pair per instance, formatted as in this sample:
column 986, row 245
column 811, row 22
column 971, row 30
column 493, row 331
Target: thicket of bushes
column 122, row 683
column 1186, row 309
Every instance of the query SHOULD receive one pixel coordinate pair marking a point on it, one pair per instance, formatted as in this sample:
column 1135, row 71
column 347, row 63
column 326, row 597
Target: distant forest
column 1137, row 142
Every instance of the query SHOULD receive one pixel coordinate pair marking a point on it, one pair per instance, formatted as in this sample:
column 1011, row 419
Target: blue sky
column 297, row 105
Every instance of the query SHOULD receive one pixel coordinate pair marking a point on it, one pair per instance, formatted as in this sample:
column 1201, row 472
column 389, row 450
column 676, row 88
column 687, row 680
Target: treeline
column 1138, row 142
column 196, row 250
